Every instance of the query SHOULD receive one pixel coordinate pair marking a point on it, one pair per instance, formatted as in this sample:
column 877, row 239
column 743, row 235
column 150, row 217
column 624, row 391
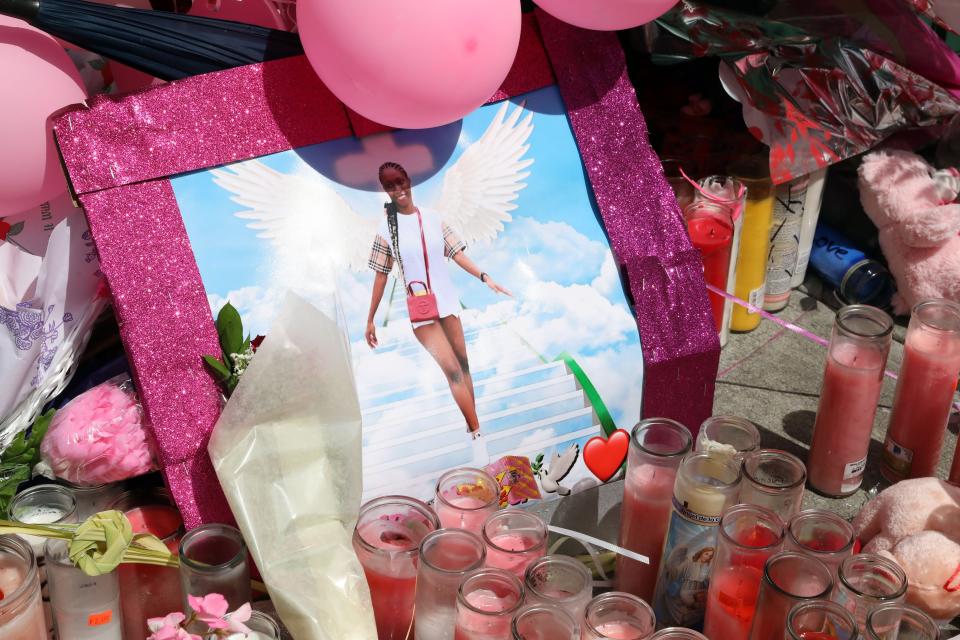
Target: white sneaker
column 478, row 446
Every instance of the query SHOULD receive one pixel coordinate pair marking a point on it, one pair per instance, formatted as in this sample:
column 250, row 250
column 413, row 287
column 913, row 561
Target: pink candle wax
column 620, row 631
column 925, row 388
column 464, row 512
column 22, row 621
column 514, row 551
column 148, row 591
column 492, row 624
column 647, row 504
column 392, row 576
column 731, row 602
column 848, row 403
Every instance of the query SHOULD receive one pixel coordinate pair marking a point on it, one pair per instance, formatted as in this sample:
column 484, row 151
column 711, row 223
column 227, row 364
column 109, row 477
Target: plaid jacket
column 381, row 254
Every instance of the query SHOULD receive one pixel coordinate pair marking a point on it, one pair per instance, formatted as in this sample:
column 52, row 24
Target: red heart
column 604, row 456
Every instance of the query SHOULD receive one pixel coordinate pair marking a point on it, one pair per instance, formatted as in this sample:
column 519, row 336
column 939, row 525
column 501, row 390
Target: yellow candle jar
column 754, row 172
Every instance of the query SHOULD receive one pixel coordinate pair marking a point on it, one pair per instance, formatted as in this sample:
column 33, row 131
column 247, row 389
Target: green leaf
column 39, row 428
column 230, row 329
column 11, row 477
column 218, row 368
column 15, row 229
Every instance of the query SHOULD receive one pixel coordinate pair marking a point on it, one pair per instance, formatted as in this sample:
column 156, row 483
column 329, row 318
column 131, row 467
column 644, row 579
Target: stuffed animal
column 913, row 207
column 917, row 524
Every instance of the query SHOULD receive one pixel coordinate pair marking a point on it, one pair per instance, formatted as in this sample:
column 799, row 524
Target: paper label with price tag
column 100, row 619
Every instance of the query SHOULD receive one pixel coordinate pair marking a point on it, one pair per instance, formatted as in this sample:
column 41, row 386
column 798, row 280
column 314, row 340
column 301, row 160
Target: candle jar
column 710, row 226
column 789, row 578
column 821, row 534
column 84, row 607
column 486, row 603
column 773, row 479
column 514, row 539
column 868, row 580
column 926, row 385
column 754, row 173
column 900, row 622
column 21, row 610
column 94, row 499
column 561, row 581
column 387, row 540
column 213, row 559
column 706, row 486
column 544, row 622
column 732, row 194
column 728, row 436
column 614, row 615
column 148, row 591
column 263, row 627
column 748, row 536
column 821, row 620
column 852, row 380
column 657, row 446
column 446, row 556
column 677, row 633
column 465, row 498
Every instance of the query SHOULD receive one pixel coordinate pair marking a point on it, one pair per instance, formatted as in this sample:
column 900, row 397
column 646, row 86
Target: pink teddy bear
column 913, row 207
column 917, row 524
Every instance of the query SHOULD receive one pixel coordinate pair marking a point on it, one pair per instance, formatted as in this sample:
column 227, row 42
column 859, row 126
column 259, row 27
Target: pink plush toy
column 913, row 206
column 917, row 524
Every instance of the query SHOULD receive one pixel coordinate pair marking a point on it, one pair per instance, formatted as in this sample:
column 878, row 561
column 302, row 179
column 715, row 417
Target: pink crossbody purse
column 421, row 307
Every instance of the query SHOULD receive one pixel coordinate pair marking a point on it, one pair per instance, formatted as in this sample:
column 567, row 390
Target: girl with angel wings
column 311, row 225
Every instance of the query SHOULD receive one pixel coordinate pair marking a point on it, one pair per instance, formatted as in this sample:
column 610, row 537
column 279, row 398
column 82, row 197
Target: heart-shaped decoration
column 604, row 456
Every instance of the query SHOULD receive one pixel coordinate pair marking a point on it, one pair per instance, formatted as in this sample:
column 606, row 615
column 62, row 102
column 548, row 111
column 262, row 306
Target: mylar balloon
column 38, row 78
column 606, row 15
column 411, row 63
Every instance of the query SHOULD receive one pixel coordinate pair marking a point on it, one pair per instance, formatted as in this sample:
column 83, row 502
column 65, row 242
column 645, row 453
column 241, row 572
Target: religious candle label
column 756, row 297
column 853, row 475
column 681, row 595
column 897, row 457
column 784, row 239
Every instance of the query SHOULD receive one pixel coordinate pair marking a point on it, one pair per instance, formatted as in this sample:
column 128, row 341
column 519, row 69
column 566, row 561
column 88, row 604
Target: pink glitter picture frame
column 121, row 151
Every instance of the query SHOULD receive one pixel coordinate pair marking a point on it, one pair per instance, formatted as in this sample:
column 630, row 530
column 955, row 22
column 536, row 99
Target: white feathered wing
column 480, row 188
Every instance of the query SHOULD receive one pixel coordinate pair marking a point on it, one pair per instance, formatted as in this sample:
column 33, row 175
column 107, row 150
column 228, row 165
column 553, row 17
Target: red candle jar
column 710, row 225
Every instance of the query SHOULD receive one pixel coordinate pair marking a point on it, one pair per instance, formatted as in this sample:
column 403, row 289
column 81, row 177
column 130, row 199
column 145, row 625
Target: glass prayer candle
column 677, row 633
column 852, row 380
column 728, row 436
column 868, row 580
column 820, row 620
column 559, row 580
column 900, row 622
column 749, row 535
column 514, row 539
column 706, row 486
column 465, row 498
column 446, row 556
column 387, row 542
column 486, row 603
column 710, row 226
column 213, row 559
column 754, row 173
column 262, row 626
column 789, row 578
column 617, row 616
column 43, row 504
column 656, row 448
column 21, row 609
column 733, row 195
column 91, row 500
column 773, row 479
column 784, row 242
column 821, row 534
column 148, row 591
column 544, row 622
column 926, row 385
column 84, row 607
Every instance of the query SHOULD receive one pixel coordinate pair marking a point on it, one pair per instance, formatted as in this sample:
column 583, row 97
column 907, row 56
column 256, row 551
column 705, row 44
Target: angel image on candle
column 306, row 218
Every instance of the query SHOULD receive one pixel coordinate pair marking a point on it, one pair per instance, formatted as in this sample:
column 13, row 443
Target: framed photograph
column 491, row 274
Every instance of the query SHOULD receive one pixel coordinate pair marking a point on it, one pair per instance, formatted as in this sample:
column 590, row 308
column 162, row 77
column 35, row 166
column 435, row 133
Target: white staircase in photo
column 413, row 431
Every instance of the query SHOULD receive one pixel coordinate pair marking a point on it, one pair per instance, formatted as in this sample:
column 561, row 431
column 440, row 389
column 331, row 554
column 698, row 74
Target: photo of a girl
column 420, row 238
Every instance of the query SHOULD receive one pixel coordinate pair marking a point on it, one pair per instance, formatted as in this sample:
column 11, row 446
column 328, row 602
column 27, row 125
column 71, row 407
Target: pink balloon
column 606, row 15
column 413, row 65
column 38, row 79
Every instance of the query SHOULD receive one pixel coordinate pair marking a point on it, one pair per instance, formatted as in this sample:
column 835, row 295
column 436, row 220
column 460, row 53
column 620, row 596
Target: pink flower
column 236, row 619
column 168, row 628
column 210, row 609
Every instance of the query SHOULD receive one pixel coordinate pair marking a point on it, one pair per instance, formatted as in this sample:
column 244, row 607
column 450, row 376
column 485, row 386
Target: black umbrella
column 163, row 44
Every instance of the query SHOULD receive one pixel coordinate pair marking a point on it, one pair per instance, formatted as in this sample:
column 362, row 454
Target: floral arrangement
column 237, row 351
column 17, row 461
column 209, row 611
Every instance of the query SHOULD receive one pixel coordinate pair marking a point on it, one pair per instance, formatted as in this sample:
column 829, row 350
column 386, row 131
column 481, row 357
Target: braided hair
column 391, row 206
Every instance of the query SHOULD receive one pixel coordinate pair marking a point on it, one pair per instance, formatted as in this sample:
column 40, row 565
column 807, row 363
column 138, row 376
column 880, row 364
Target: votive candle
column 773, row 479
column 213, row 559
column 21, row 610
column 446, row 556
column 561, row 581
column 820, row 620
column 465, row 498
column 789, row 578
column 868, row 580
column 84, row 607
column 486, row 603
column 514, row 538
column 678, row 633
column 900, row 622
column 618, row 616
column 821, row 534
column 728, row 436
column 754, row 173
column 544, row 622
